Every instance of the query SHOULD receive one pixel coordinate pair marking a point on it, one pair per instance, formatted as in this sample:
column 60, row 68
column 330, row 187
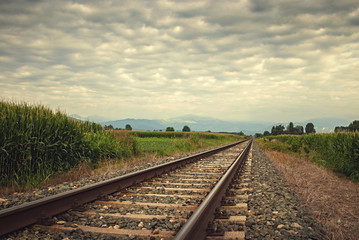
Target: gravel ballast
column 274, row 210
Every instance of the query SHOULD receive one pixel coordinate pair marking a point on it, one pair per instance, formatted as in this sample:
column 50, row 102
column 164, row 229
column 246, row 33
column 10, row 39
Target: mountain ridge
column 197, row 123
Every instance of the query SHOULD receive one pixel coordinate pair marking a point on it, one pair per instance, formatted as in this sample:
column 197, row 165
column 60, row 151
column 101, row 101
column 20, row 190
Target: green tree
column 277, row 130
column 354, row 126
column 266, row 133
column 109, row 127
column 341, row 129
column 170, row 129
column 290, row 128
column 186, row 129
column 309, row 128
column 298, row 130
column 128, row 127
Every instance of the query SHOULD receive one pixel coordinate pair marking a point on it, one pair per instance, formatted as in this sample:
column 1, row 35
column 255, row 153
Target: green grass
column 156, row 145
column 336, row 151
column 165, row 143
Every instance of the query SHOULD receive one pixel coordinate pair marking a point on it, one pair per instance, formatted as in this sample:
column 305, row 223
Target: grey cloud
column 354, row 17
column 261, row 5
column 175, row 55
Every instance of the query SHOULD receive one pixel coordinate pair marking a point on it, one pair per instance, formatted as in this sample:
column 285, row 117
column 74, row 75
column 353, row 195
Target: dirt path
column 333, row 200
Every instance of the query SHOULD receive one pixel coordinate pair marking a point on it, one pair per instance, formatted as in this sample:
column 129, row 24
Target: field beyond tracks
column 168, row 143
column 38, row 145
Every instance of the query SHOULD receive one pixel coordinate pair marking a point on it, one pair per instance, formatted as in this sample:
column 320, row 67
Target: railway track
column 196, row 197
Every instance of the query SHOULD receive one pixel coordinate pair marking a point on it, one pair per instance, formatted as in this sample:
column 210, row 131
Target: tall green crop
column 337, row 151
column 36, row 143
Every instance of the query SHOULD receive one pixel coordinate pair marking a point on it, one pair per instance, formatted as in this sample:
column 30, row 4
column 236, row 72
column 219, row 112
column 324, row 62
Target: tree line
column 128, row 127
column 309, row 128
column 184, row 129
column 280, row 129
column 353, row 127
column 110, row 127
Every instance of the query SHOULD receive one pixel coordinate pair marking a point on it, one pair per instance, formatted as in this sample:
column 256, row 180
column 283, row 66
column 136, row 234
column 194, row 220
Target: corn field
column 36, row 143
column 336, row 151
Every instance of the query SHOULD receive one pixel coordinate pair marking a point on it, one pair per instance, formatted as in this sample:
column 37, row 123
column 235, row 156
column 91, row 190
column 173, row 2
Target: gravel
column 274, row 210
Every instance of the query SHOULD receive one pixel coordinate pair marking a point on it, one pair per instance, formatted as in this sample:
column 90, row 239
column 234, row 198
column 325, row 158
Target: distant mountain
column 75, row 116
column 98, row 119
column 92, row 118
column 137, row 124
column 194, row 122
column 197, row 123
column 216, row 125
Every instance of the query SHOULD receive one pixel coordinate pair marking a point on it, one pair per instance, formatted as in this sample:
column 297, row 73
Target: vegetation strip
column 336, row 151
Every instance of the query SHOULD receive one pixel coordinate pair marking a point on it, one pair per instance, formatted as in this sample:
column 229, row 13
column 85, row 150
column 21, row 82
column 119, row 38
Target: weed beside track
column 336, row 151
column 331, row 199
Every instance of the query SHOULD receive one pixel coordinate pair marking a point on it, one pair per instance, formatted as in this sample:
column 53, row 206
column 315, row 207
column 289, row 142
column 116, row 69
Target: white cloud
column 80, row 8
column 243, row 60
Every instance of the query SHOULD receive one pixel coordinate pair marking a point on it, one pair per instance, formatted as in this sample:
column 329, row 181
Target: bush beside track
column 336, row 151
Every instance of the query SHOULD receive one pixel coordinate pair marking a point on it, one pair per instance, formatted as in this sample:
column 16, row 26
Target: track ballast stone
column 274, row 210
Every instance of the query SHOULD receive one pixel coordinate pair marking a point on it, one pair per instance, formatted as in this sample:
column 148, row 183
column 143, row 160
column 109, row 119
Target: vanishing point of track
column 190, row 198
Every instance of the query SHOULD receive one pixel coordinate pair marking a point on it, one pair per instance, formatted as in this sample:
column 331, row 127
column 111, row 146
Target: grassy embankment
column 37, row 144
column 168, row 143
column 338, row 152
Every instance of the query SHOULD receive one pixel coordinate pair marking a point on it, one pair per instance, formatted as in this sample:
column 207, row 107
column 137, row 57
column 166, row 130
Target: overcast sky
column 260, row 60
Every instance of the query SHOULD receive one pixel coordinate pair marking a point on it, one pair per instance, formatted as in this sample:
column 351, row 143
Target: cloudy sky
column 260, row 60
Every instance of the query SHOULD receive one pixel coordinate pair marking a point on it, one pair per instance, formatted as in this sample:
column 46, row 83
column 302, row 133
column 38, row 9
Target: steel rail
column 196, row 226
column 18, row 217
